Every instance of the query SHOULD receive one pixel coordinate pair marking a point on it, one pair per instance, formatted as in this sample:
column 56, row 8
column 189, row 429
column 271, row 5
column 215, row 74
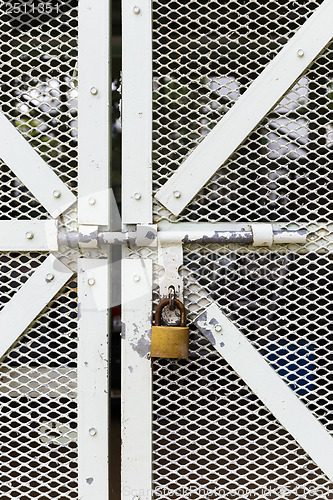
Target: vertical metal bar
column 93, row 322
column 136, row 379
column 94, row 112
column 137, row 112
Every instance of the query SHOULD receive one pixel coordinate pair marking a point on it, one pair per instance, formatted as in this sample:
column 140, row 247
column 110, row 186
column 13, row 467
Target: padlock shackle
column 166, row 302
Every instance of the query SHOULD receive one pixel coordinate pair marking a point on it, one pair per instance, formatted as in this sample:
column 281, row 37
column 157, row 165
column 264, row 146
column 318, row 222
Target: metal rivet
column 177, row 194
column 137, row 196
column 218, row 328
column 136, row 10
column 92, row 431
column 136, row 278
column 29, row 235
column 300, row 53
column 56, row 194
column 92, row 201
column 49, row 277
column 94, row 91
column 91, row 281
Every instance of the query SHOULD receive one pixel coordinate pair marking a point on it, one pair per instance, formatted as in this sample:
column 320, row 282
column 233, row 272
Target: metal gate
column 227, row 124
column 54, row 274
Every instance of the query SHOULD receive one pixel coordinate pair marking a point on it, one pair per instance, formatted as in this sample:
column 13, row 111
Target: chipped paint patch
column 150, row 235
column 201, row 324
column 130, row 369
column 209, row 336
column 123, row 330
column 89, row 480
column 142, row 347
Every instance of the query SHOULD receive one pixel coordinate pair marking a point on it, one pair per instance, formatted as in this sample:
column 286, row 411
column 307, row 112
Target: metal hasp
column 170, row 341
column 257, row 234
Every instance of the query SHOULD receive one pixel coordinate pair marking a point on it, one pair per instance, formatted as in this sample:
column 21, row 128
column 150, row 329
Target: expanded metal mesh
column 212, row 437
column 38, row 375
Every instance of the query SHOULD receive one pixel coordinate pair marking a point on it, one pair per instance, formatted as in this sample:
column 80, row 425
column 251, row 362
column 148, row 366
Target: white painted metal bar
column 32, row 170
column 248, row 111
column 268, row 386
column 258, row 234
column 28, row 235
column 170, row 257
column 93, row 325
column 137, row 112
column 94, row 112
column 30, row 300
column 136, row 379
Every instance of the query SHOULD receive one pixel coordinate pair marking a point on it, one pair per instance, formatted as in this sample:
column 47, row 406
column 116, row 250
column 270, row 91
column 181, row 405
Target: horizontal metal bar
column 290, row 236
column 168, row 236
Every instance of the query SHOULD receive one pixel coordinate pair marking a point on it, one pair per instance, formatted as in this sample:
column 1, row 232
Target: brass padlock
column 169, row 341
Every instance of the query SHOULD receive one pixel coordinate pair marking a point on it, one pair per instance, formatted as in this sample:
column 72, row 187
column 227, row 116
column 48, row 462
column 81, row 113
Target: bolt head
column 218, row 328
column 94, row 91
column 300, row 53
column 92, row 201
column 49, row 277
column 92, row 431
column 56, row 194
column 136, row 10
column 91, row 281
column 177, row 194
column 29, row 235
column 136, row 278
column 137, row 196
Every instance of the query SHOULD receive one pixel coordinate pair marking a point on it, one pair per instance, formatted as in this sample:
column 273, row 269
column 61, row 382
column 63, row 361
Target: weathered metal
column 169, row 341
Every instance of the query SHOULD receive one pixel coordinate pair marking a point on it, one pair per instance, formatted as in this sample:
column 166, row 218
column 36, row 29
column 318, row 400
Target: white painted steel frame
column 136, row 112
column 93, row 397
column 136, row 379
column 28, row 235
column 94, row 112
column 30, row 300
column 248, row 111
column 268, row 386
column 32, row 170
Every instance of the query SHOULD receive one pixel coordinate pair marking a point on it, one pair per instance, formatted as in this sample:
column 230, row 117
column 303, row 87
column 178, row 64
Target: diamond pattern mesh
column 39, row 93
column 38, row 374
column 39, row 408
column 212, row 437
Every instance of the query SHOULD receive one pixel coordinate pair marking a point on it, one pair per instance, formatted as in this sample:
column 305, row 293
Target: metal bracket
column 170, row 257
column 262, row 235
